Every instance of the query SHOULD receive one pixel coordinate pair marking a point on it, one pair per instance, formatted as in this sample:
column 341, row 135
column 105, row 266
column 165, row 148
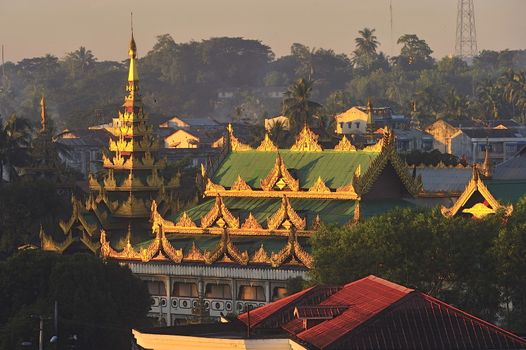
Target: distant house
column 185, row 123
column 471, row 144
column 181, row 139
column 370, row 313
column 270, row 122
column 408, row 140
column 85, row 148
column 443, row 130
column 354, row 120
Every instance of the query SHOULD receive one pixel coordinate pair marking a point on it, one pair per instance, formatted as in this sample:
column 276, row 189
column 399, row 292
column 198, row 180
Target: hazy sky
column 31, row 28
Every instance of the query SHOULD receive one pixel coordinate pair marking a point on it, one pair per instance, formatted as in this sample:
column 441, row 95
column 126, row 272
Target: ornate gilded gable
column 185, row 221
column 286, row 218
column 235, row 144
column 292, row 252
column 279, row 176
column 267, row 145
column 387, row 155
column 220, row 216
column 240, row 185
column 251, row 223
column 260, row 256
column 319, row 186
column 345, row 145
column 478, row 210
column 226, row 250
column 306, row 141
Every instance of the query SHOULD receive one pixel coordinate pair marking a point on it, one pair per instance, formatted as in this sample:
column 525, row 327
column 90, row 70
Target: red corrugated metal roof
column 261, row 313
column 378, row 314
column 319, row 311
column 366, row 297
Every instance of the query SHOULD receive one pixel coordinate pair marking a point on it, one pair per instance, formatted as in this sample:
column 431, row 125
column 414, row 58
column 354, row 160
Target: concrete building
column 471, row 143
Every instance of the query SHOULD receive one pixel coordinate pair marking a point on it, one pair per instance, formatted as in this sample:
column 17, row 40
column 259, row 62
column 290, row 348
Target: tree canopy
column 476, row 265
column 97, row 301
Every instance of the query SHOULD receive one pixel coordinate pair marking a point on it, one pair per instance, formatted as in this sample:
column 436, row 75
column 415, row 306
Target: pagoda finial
column 133, row 47
column 133, row 74
column 43, row 115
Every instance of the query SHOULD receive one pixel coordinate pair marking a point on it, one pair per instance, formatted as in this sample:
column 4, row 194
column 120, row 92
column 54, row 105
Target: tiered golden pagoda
column 133, row 174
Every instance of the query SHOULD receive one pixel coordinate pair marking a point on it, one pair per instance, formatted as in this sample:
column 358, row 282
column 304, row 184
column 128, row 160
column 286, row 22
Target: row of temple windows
column 215, row 291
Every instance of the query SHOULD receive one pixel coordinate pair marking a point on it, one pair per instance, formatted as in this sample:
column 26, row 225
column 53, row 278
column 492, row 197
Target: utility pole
column 466, row 38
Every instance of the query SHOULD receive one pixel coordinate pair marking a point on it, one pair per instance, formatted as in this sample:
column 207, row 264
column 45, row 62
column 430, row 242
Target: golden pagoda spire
column 43, row 115
column 133, row 74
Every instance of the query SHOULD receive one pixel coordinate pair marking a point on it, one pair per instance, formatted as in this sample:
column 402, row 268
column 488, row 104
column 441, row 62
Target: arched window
column 184, row 289
column 218, row 291
column 156, row 287
column 251, row 293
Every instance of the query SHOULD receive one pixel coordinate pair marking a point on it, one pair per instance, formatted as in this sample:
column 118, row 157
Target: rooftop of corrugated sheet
column 334, row 167
column 384, row 315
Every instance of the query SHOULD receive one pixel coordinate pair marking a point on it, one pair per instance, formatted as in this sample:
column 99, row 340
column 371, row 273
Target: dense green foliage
column 185, row 79
column 477, row 265
column 24, row 206
column 97, row 301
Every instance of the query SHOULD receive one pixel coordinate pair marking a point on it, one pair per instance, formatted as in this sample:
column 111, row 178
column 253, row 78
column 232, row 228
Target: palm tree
column 455, row 104
column 297, row 105
column 513, row 85
column 278, row 133
column 490, row 97
column 365, row 52
column 79, row 60
column 15, row 140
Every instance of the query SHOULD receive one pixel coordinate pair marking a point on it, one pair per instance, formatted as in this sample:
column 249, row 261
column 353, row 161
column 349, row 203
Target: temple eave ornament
column 478, row 210
column 306, row 141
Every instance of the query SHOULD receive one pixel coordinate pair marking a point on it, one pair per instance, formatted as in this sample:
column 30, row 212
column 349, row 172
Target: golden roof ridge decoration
column 260, row 256
column 185, row 221
column 319, row 186
column 279, row 171
column 267, row 145
column 286, row 213
column 219, row 214
column 49, row 244
column 157, row 219
column 172, row 253
column 235, row 144
column 388, row 154
column 476, row 184
column 306, row 141
column 109, row 180
column 345, row 145
column 290, row 250
column 386, row 140
column 194, row 254
column 240, row 185
column 251, row 223
column 225, row 248
column 107, row 251
column 212, row 187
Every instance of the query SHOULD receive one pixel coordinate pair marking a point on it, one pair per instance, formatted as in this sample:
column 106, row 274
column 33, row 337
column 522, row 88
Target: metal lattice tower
column 466, row 43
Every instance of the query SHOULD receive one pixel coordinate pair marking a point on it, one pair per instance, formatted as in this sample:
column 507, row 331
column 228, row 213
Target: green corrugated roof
column 330, row 211
column 335, row 168
column 333, row 211
column 507, row 191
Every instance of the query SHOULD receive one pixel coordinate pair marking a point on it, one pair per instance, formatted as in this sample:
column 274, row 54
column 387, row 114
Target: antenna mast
column 391, row 24
column 466, row 38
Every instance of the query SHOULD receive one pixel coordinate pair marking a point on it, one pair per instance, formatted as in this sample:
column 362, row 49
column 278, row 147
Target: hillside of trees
column 185, row 78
